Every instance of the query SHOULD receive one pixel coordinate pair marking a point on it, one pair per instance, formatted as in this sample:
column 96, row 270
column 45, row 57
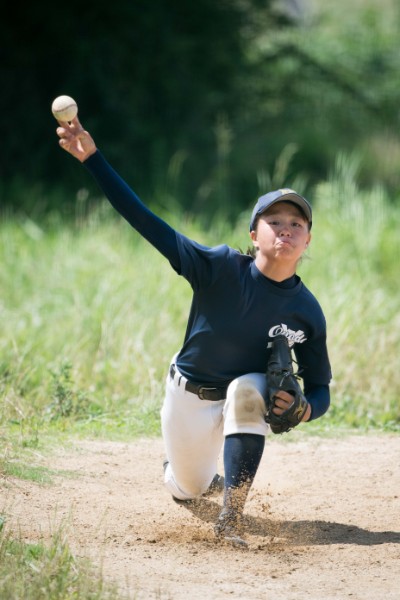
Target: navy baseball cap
column 271, row 198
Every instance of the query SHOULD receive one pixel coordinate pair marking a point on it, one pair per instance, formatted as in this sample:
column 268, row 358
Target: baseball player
column 216, row 387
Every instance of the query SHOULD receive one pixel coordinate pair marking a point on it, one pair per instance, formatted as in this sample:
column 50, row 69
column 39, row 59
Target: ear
column 253, row 236
column 308, row 240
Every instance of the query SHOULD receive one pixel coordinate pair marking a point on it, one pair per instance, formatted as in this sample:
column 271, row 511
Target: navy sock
column 242, row 456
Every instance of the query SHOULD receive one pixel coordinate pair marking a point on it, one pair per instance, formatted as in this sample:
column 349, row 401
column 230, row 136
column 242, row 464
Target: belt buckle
column 202, row 389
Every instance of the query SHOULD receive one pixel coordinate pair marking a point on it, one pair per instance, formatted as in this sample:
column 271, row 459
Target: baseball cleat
column 228, row 528
column 216, row 486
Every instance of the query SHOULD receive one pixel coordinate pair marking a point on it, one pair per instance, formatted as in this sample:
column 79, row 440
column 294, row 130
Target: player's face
column 282, row 233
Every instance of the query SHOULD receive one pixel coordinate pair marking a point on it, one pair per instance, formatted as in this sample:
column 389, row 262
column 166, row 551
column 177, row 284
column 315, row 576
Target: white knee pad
column 244, row 408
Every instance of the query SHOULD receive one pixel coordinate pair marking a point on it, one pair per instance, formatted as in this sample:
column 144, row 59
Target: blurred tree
column 151, row 79
column 200, row 100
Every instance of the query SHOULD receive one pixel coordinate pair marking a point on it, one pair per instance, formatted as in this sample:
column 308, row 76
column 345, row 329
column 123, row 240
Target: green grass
column 29, row 472
column 32, row 571
column 354, row 273
column 91, row 315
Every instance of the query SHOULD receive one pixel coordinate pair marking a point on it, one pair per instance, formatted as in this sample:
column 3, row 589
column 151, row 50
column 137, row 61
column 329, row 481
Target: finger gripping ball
column 64, row 108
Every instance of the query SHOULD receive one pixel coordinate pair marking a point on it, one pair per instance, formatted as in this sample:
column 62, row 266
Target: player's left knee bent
column 244, row 410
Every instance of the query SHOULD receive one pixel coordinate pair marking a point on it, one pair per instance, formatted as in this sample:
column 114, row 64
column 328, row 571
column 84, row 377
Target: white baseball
column 64, row 108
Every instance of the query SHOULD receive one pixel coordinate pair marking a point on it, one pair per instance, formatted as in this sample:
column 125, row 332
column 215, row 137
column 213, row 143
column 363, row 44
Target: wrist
column 88, row 154
column 307, row 414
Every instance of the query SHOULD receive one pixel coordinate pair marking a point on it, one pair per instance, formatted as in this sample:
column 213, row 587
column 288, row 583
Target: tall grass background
column 91, row 313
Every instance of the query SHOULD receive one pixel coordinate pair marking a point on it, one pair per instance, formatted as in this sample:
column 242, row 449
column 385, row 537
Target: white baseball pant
column 194, row 429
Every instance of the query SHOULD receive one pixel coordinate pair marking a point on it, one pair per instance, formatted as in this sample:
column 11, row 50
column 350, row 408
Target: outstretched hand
column 75, row 140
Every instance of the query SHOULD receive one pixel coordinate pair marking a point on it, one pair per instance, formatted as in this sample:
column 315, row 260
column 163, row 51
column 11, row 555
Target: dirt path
column 323, row 521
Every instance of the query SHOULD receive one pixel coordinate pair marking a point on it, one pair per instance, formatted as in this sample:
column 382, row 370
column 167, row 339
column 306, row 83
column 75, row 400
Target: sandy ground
column 322, row 521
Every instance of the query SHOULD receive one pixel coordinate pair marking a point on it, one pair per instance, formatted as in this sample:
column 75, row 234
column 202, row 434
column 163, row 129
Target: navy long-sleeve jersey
column 236, row 311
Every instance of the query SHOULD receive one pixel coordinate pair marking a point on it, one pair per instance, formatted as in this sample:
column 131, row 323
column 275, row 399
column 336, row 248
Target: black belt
column 203, row 392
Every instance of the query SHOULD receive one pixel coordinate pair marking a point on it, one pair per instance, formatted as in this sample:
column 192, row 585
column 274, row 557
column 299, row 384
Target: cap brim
column 296, row 199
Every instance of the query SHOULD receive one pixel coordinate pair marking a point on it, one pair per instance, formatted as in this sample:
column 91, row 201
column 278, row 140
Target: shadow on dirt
column 313, row 533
